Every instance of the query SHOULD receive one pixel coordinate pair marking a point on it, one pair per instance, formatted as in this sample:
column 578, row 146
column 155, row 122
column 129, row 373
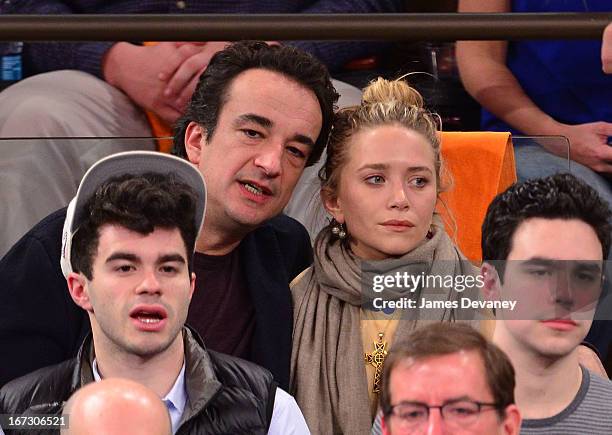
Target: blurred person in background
column 544, row 87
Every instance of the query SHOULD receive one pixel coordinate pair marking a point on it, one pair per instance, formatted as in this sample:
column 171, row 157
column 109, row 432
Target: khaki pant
column 40, row 176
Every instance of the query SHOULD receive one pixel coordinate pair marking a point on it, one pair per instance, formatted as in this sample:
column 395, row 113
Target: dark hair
column 560, row 196
column 439, row 339
column 139, row 203
column 212, row 90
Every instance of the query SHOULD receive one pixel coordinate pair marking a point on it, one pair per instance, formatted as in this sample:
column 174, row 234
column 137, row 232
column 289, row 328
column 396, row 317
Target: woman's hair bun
column 383, row 91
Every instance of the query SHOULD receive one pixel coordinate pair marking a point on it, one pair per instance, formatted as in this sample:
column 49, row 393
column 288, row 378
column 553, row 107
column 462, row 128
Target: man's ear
column 192, row 284
column 491, row 283
column 195, row 137
column 512, row 420
column 77, row 286
column 332, row 205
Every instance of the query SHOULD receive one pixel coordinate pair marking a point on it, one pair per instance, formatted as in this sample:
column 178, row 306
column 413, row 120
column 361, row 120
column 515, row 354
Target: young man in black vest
column 127, row 256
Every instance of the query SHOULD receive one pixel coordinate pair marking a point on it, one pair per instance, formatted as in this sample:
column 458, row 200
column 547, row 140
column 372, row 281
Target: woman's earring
column 338, row 229
column 430, row 234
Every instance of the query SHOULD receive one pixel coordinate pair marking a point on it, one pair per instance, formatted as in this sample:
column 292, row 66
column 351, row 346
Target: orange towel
column 481, row 165
column 159, row 128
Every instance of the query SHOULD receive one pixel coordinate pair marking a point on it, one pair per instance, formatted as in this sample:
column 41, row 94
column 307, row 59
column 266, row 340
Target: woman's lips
column 398, row 225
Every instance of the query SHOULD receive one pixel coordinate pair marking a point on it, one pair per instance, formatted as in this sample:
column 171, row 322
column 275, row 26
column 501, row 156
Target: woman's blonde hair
column 384, row 102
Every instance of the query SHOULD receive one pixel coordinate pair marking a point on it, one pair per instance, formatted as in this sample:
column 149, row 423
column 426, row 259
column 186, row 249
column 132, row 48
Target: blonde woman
column 380, row 182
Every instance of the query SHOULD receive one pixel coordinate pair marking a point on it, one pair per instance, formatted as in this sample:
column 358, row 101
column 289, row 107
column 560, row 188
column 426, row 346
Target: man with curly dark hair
column 545, row 242
column 561, row 196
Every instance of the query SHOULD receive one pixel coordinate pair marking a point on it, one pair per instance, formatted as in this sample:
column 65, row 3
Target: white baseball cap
column 132, row 163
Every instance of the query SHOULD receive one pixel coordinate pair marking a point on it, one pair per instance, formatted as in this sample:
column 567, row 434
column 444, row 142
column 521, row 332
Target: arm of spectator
column 606, row 49
column 482, row 65
column 336, row 54
column 139, row 71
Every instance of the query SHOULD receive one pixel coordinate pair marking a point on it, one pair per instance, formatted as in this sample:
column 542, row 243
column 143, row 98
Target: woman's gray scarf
column 328, row 377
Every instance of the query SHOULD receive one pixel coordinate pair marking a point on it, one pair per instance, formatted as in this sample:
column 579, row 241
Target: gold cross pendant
column 377, row 359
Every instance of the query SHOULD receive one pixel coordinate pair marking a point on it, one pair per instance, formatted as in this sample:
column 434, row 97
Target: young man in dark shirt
column 259, row 115
column 545, row 243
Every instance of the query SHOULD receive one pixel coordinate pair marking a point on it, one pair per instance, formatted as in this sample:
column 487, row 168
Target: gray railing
column 210, row 27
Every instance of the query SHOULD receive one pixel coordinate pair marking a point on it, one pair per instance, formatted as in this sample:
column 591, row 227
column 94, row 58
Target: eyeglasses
column 460, row 413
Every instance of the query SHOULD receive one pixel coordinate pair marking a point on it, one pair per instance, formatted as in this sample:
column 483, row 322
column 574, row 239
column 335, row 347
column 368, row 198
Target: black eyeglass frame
column 479, row 407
